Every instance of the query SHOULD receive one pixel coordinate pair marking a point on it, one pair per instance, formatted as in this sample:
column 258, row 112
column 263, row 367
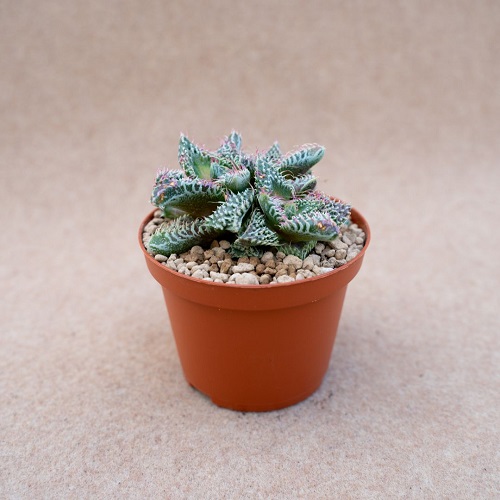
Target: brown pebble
column 260, row 268
column 213, row 259
column 255, row 261
column 197, row 250
column 214, row 244
column 208, row 253
column 270, row 270
column 281, row 272
column 219, row 252
column 196, row 257
column 214, row 267
column 291, row 269
column 265, row 279
column 271, row 263
column 225, row 266
column 243, row 260
column 281, row 266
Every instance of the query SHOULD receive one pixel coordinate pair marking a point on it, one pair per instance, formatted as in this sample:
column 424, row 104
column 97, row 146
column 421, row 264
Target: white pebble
column 242, row 268
column 308, row 263
column 306, row 273
column 348, row 238
column 202, row 267
column 200, row 274
column 293, row 260
column 323, row 270
column 284, row 279
column 319, row 247
column 246, row 279
column 351, row 255
column 340, row 254
column 338, row 244
column 219, row 276
column 160, row 258
column 316, row 259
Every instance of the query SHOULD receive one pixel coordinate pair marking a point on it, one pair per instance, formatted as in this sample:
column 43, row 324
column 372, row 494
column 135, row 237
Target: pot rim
column 359, row 220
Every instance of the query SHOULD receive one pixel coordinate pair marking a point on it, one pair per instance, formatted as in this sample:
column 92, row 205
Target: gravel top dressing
column 216, row 264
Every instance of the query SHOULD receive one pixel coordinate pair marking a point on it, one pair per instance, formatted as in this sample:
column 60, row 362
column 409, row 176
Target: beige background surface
column 405, row 97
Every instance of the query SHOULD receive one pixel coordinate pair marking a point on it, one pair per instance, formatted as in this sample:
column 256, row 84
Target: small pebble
column 340, row 254
column 219, row 276
column 267, row 257
column 285, row 279
column 219, row 253
column 259, row 268
column 319, row 247
column 338, row 244
column 225, row 245
column 225, row 266
column 197, row 250
column 243, row 268
column 351, row 255
column 270, row 270
column 246, row 279
column 255, row 261
column 199, row 273
column 348, row 239
column 293, row 260
column 265, row 279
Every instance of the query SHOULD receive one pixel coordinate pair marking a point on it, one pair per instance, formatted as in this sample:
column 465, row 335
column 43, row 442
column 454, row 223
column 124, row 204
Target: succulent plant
column 255, row 201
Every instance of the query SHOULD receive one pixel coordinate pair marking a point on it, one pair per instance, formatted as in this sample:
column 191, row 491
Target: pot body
column 255, row 348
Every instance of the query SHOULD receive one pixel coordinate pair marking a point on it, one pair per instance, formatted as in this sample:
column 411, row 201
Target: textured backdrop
column 404, row 95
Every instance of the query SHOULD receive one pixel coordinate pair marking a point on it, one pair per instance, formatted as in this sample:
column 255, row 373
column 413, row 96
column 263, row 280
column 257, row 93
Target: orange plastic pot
column 260, row 347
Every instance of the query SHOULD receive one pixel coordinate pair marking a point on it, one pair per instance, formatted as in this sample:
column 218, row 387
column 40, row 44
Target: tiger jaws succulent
column 258, row 202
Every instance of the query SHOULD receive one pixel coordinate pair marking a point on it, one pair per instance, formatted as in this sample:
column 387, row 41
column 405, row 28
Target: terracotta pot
column 260, row 347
